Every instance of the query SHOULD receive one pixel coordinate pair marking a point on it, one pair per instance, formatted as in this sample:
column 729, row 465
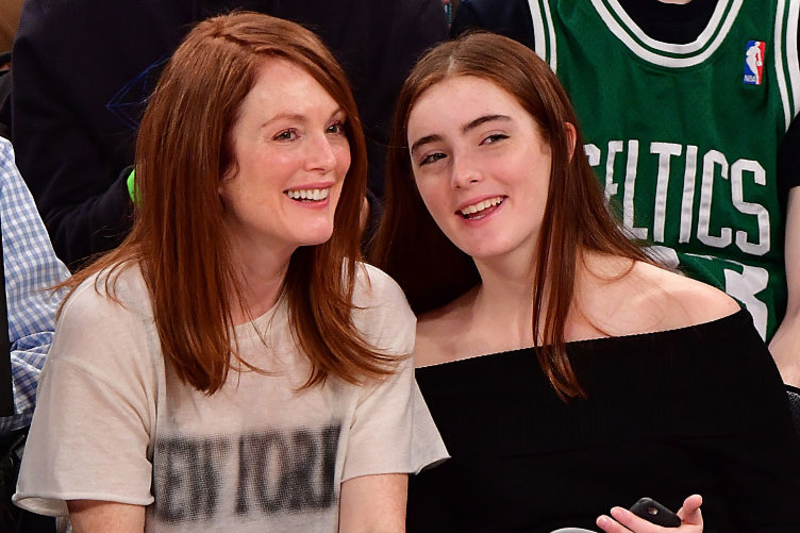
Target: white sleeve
column 90, row 435
column 392, row 430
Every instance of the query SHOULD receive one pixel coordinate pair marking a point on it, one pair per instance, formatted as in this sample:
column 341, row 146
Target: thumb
column 690, row 512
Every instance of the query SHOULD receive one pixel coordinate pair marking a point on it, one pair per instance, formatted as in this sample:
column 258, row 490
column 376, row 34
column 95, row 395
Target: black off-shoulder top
column 700, row 409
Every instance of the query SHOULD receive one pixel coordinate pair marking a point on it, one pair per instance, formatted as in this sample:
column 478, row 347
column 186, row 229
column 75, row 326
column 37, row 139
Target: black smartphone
column 654, row 512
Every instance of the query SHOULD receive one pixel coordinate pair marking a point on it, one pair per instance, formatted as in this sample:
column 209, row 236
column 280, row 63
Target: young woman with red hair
column 566, row 370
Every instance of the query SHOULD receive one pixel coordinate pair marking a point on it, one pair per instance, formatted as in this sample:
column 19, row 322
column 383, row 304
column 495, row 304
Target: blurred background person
column 83, row 71
column 30, row 269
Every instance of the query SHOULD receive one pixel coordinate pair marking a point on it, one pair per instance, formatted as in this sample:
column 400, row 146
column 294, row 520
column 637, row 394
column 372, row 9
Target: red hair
column 183, row 149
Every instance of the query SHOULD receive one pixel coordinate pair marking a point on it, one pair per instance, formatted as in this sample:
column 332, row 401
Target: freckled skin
column 289, row 135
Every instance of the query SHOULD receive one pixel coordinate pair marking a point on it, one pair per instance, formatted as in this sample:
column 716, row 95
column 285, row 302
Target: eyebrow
column 466, row 128
column 483, row 120
column 284, row 116
column 298, row 117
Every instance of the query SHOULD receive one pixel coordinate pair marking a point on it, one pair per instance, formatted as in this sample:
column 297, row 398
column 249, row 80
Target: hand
column 625, row 521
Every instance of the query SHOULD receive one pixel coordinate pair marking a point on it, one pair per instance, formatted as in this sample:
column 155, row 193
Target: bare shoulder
column 627, row 298
column 681, row 300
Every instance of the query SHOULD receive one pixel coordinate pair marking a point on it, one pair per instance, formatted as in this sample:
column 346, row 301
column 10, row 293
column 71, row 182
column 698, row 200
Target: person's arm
column 785, row 345
column 31, row 268
column 96, row 406
column 391, row 433
column 89, row 516
column 756, row 454
column 624, row 521
column 373, row 504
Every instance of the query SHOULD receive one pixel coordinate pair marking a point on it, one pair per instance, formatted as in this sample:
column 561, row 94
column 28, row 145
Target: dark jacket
column 83, row 69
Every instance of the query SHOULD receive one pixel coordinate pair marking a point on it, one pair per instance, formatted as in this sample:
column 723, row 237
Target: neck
column 504, row 300
column 260, row 275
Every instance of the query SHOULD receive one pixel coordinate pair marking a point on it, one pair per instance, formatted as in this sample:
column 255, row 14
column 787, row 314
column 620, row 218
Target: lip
column 318, row 204
column 473, row 201
column 477, row 200
column 314, row 185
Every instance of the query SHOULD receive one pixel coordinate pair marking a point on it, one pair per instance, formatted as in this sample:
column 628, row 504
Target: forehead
column 460, row 99
column 282, row 86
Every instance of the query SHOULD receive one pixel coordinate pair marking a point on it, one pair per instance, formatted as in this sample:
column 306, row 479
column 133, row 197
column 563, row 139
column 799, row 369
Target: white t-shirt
column 115, row 423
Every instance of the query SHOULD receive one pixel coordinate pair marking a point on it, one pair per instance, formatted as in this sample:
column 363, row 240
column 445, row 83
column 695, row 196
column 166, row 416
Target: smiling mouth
column 480, row 209
column 308, row 195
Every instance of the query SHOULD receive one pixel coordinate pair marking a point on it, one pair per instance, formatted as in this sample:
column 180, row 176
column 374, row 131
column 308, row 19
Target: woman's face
column 481, row 167
column 291, row 156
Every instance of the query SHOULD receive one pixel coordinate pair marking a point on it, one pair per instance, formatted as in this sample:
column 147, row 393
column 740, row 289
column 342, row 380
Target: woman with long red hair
column 233, row 366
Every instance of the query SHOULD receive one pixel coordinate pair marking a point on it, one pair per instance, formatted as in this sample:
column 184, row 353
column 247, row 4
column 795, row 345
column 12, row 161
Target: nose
column 463, row 172
column 321, row 154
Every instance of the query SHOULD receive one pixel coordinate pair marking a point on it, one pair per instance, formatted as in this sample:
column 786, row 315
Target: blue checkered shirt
column 31, row 266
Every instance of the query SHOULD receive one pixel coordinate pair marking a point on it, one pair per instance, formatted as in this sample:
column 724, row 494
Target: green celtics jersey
column 684, row 137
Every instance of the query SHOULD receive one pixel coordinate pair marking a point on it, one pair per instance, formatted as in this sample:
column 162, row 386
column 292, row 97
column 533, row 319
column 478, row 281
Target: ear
column 572, row 137
column 227, row 176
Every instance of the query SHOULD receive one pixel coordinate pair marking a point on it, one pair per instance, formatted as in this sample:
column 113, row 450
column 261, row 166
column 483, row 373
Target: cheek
column 433, row 198
column 343, row 158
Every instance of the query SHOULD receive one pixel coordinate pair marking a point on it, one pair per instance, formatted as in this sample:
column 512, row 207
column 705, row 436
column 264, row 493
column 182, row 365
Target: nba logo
column 754, row 62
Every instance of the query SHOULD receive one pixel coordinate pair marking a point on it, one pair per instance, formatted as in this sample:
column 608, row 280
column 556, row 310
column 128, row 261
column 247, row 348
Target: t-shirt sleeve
column 392, row 430
column 90, row 434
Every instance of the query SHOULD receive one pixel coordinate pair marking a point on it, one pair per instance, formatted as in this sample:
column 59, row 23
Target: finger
column 609, row 525
column 690, row 512
column 633, row 522
column 624, row 521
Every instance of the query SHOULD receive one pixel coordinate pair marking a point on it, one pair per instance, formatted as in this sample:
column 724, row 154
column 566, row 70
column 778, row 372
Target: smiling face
column 481, row 166
column 291, row 155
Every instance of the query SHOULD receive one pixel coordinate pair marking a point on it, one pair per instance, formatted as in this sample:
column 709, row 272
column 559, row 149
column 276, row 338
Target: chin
column 316, row 239
column 487, row 252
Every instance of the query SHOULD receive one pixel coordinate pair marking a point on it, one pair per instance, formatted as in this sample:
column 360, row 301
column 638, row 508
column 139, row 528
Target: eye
column 286, row 135
column 337, row 128
column 431, row 158
column 494, row 137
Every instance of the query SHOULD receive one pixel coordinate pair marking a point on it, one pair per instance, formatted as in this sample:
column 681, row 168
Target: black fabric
column 11, row 445
column 696, row 410
column 789, row 159
column 794, row 403
column 12, row 518
column 511, row 18
column 83, row 71
column 5, row 102
column 670, row 23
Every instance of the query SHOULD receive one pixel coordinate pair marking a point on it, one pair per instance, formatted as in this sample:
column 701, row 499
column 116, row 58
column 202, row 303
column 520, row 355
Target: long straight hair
column 410, row 247
column 178, row 238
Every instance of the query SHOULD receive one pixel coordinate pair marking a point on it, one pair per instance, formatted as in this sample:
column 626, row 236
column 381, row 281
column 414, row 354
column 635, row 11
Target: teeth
column 480, row 206
column 308, row 194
